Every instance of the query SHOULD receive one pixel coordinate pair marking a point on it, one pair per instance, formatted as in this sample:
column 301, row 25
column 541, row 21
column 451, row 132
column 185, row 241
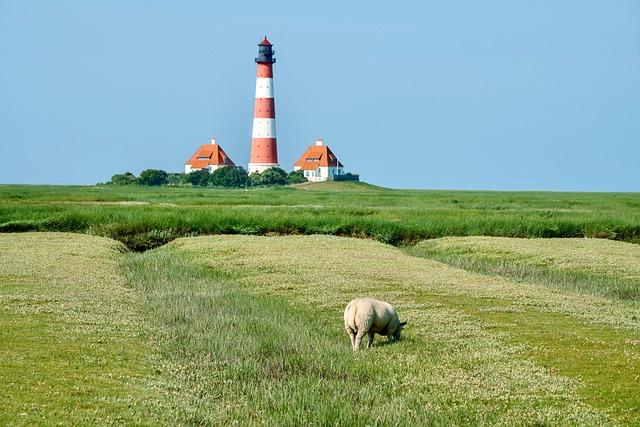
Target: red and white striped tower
column 264, row 151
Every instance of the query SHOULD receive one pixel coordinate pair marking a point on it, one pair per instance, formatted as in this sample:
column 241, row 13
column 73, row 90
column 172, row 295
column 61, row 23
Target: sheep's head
column 396, row 334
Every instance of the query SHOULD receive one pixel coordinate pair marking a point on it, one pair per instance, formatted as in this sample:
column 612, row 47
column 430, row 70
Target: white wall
column 260, row 167
column 264, row 87
column 322, row 173
column 211, row 168
column 264, row 128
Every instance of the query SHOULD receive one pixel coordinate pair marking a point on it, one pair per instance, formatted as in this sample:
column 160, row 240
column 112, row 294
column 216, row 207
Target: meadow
column 143, row 217
column 572, row 264
column 245, row 326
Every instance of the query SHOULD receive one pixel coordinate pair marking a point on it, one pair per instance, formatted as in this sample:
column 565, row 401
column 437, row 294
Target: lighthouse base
column 261, row 167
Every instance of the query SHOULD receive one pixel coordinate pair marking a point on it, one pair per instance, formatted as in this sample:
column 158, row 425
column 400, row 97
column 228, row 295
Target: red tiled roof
column 317, row 156
column 209, row 154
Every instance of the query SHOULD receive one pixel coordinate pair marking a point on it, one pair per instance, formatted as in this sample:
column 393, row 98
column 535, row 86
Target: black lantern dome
column 265, row 52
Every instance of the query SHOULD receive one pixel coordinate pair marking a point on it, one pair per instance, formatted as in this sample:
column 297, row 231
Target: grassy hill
column 248, row 329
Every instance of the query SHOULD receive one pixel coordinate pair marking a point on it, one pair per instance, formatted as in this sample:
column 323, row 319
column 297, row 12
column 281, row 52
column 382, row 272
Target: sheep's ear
column 403, row 324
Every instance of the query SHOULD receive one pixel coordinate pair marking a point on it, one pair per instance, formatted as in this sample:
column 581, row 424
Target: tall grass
column 144, row 218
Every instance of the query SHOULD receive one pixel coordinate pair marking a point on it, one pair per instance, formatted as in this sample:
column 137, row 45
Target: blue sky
column 502, row 95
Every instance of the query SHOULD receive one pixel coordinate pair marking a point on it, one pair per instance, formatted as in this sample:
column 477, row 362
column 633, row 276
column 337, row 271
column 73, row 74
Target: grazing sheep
column 369, row 316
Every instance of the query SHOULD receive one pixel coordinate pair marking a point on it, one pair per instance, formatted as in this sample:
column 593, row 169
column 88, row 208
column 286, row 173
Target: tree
column 229, row 176
column 271, row 176
column 199, row 177
column 296, row 177
column 152, row 177
column 126, row 178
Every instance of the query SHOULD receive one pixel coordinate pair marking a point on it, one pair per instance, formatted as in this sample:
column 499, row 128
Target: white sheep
column 369, row 316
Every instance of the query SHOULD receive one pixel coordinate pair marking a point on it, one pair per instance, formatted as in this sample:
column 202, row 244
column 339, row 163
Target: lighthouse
column 264, row 151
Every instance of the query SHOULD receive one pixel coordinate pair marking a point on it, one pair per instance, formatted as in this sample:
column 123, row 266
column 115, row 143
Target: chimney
column 319, row 141
column 213, row 141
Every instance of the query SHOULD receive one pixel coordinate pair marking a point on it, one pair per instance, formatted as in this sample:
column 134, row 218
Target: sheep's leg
column 371, row 334
column 359, row 336
column 352, row 337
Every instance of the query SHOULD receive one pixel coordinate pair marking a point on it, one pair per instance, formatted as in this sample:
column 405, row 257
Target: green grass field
column 573, row 264
column 247, row 329
column 74, row 349
column 143, row 218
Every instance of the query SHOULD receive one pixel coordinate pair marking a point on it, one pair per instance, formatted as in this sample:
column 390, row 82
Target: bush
column 126, row 178
column 229, row 176
column 271, row 176
column 152, row 177
column 184, row 179
column 199, row 177
column 176, row 179
column 296, row 177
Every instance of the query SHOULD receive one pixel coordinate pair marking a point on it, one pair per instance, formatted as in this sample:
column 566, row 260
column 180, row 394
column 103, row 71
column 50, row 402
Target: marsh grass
column 472, row 337
column 239, row 357
column 236, row 353
column 72, row 348
column 592, row 266
column 143, row 218
column 248, row 330
column 606, row 360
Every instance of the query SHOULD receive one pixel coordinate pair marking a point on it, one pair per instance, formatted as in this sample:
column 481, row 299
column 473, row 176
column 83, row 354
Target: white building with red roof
column 319, row 163
column 208, row 157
